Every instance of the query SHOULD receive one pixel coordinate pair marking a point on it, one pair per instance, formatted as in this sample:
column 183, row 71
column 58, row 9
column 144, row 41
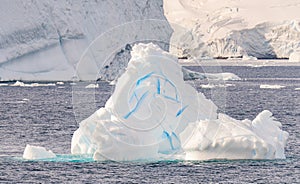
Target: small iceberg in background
column 3, row 84
column 192, row 75
column 37, row 153
column 211, row 86
column 60, row 83
column 22, row 84
column 222, row 76
column 247, row 58
column 267, row 86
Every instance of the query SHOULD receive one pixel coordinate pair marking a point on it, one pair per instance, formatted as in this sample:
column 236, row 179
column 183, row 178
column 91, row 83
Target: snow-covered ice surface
column 295, row 56
column 37, row 153
column 154, row 114
column 44, row 40
column 234, row 28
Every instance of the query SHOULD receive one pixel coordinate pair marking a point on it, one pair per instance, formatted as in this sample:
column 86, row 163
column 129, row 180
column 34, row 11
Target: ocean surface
column 48, row 115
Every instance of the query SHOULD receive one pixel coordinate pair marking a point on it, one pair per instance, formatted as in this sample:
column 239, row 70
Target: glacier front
column 234, row 28
column 154, row 115
column 44, row 40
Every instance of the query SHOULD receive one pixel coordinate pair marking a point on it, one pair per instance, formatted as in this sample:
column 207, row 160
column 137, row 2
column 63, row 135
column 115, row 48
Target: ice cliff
column 43, row 40
column 233, row 28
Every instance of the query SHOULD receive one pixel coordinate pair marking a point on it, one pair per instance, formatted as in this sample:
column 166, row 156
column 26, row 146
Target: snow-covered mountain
column 44, row 40
column 234, row 28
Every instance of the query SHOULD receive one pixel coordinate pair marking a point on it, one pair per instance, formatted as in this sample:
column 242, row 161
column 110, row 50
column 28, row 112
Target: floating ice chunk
column 297, row 89
column 60, row 83
column 92, row 86
column 192, row 75
column 3, row 84
column 113, row 82
column 222, row 76
column 22, row 84
column 256, row 65
column 37, row 152
column 267, row 86
column 247, row 58
column 210, row 86
column 39, row 85
column 18, row 84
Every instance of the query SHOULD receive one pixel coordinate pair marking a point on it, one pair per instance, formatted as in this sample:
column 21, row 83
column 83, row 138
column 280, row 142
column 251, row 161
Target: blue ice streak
column 181, row 111
column 132, row 96
column 143, row 78
column 173, row 85
column 169, row 138
column 170, row 98
column 137, row 105
column 173, row 133
column 158, row 86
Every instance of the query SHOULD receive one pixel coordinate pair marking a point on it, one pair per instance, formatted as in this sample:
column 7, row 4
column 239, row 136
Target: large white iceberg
column 154, row 114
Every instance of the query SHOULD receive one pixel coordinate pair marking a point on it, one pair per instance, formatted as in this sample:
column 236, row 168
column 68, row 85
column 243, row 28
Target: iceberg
column 37, row 152
column 153, row 114
column 22, row 84
column 211, row 86
column 92, row 86
column 192, row 75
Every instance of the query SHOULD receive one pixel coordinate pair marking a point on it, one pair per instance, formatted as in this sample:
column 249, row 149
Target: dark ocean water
column 48, row 116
